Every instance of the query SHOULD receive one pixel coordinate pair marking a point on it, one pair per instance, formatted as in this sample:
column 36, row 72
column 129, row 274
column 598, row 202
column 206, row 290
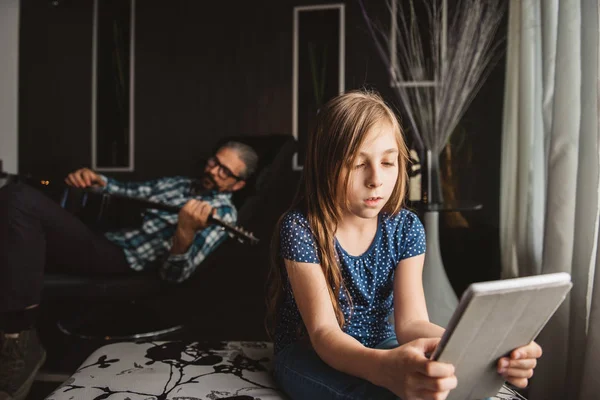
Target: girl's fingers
column 428, row 395
column 518, row 382
column 436, row 369
column 532, row 350
column 517, row 373
column 439, row 384
column 505, row 363
column 529, row 363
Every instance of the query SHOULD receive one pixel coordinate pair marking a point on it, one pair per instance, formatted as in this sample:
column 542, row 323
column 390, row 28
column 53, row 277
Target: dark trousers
column 38, row 236
column 302, row 374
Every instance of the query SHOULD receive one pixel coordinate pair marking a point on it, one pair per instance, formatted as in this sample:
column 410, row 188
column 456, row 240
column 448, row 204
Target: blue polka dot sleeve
column 412, row 237
column 296, row 238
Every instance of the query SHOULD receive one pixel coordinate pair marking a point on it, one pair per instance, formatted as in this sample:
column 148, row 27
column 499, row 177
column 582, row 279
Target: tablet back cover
column 492, row 324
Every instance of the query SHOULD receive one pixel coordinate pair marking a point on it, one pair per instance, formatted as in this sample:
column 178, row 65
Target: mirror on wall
column 318, row 66
column 112, row 85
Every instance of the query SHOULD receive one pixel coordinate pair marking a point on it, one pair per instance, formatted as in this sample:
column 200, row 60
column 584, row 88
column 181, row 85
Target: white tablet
column 492, row 319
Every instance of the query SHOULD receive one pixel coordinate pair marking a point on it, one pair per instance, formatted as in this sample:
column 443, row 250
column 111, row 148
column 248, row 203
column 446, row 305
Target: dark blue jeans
column 302, row 374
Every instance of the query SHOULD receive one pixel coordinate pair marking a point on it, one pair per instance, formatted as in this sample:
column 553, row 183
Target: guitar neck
column 144, row 203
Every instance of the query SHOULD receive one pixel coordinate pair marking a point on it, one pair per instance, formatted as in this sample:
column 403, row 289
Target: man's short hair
column 246, row 154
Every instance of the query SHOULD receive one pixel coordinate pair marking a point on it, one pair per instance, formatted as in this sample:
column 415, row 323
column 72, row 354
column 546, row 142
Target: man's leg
column 36, row 232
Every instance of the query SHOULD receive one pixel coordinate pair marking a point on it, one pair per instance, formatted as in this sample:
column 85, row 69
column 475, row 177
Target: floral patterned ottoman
column 179, row 371
column 173, row 371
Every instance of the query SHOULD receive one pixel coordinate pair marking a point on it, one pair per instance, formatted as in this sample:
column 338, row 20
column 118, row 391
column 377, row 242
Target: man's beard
column 208, row 182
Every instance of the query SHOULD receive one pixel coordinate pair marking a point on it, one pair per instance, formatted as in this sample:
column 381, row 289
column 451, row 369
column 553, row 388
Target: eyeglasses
column 223, row 171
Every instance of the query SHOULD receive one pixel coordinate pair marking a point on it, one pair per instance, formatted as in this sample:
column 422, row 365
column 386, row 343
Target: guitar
column 239, row 233
column 106, row 201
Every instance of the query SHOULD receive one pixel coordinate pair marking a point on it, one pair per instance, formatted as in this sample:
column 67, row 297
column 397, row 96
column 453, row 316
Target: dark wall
column 206, row 72
column 201, row 74
column 55, row 62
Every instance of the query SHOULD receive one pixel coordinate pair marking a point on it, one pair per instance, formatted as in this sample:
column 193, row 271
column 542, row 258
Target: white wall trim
column 9, row 84
column 94, row 78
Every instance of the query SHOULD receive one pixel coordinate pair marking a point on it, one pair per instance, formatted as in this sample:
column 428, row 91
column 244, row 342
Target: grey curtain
column 550, row 180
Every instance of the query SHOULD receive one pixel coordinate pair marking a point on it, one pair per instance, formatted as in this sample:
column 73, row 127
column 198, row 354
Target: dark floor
column 40, row 390
column 65, row 353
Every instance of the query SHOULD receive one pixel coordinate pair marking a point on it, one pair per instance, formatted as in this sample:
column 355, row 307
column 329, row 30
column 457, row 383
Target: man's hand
column 411, row 375
column 83, row 178
column 518, row 368
column 192, row 217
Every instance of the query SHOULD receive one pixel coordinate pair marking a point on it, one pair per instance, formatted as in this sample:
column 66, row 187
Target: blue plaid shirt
column 151, row 243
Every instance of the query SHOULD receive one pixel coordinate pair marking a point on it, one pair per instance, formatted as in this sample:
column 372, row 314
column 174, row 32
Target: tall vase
column 439, row 295
column 432, row 190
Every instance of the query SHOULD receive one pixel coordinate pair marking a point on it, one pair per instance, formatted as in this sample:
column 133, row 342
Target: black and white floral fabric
column 174, row 371
column 180, row 371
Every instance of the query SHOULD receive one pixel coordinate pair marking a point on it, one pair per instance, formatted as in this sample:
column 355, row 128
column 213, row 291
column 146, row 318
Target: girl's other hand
column 411, row 375
column 518, row 368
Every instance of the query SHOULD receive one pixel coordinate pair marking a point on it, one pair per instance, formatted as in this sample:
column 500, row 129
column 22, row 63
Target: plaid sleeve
column 179, row 267
column 132, row 189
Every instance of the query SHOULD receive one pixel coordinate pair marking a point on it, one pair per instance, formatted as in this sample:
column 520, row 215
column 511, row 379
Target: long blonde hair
column 340, row 129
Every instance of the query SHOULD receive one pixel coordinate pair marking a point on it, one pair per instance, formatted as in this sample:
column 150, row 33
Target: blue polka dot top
column 369, row 277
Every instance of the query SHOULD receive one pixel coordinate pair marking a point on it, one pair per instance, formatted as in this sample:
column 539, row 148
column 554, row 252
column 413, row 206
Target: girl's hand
column 518, row 368
column 410, row 375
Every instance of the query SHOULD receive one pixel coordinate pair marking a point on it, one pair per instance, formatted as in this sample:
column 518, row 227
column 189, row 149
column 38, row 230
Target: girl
column 349, row 255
